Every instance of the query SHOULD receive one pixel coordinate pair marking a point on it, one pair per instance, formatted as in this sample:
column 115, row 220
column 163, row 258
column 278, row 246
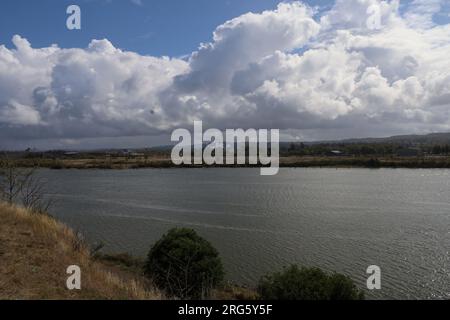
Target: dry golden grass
column 35, row 251
column 234, row 292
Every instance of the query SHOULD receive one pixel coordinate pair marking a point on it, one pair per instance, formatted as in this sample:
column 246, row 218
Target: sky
column 139, row 69
column 149, row 27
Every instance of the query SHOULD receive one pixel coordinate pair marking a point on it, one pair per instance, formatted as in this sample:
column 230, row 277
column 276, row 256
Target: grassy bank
column 35, row 251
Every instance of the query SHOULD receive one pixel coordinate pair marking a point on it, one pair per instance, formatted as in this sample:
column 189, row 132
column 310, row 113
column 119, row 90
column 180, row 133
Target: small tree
column 184, row 265
column 23, row 186
column 11, row 180
column 295, row 283
column 32, row 193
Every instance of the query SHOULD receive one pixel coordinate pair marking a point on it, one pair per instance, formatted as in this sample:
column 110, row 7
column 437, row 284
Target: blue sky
column 156, row 27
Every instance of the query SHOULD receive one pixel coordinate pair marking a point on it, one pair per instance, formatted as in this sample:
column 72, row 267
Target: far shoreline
column 164, row 162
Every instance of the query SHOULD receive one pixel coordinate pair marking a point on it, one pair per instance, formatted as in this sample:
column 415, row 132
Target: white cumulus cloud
column 327, row 76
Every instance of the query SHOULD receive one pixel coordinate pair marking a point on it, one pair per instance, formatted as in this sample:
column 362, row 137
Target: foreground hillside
column 35, row 251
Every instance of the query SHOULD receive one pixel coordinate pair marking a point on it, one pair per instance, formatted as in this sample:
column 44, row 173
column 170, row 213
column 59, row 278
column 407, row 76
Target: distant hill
column 406, row 140
column 429, row 139
column 432, row 138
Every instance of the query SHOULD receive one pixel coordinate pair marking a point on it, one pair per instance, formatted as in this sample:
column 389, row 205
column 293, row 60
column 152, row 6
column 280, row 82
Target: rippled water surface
column 342, row 220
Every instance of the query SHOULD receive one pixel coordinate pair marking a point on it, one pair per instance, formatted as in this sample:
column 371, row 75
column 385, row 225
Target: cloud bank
column 312, row 74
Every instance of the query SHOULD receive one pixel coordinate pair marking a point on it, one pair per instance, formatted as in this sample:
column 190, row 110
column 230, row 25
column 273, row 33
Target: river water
column 341, row 220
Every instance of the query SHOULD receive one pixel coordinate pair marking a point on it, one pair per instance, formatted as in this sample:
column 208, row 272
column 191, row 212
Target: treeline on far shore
column 429, row 151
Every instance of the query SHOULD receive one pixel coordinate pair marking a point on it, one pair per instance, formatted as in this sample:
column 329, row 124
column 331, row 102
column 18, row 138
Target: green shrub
column 295, row 283
column 184, row 265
